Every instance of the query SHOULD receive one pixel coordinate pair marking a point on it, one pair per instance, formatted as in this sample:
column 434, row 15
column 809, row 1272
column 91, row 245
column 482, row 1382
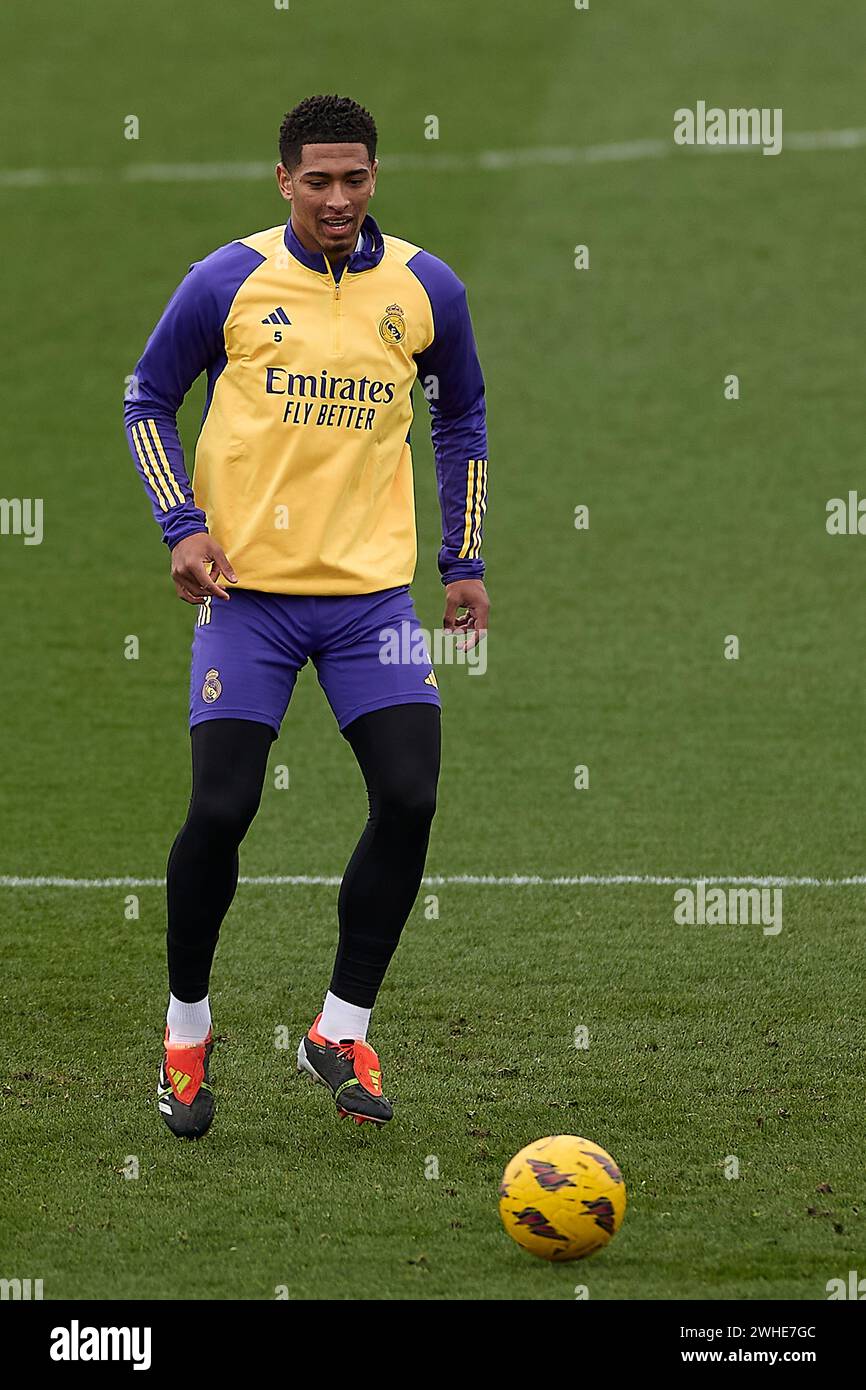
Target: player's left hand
column 471, row 595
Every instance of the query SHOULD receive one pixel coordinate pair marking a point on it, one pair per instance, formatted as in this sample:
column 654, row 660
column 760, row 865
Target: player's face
column 329, row 191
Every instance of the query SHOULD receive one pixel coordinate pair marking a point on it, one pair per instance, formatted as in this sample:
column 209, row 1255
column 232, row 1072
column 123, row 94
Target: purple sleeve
column 187, row 341
column 450, row 375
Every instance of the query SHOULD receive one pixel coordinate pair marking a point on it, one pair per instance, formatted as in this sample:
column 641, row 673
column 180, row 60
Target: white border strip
column 251, row 171
column 470, row 880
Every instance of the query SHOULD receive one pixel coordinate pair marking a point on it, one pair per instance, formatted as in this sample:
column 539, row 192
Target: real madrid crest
column 392, row 325
column 212, row 688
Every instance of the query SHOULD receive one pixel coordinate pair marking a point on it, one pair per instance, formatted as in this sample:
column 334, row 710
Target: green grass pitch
column 707, row 518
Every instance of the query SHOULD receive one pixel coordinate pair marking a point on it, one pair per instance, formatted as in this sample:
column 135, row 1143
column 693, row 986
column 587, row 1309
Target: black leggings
column 398, row 752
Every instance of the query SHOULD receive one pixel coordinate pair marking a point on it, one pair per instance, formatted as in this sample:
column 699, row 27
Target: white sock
column 341, row 1020
column 188, row 1023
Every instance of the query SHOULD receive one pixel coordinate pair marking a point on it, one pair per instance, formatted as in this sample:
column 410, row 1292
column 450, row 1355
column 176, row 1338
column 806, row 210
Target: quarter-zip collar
column 370, row 253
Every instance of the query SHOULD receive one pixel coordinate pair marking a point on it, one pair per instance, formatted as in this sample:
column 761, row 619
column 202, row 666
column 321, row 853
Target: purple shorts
column 368, row 651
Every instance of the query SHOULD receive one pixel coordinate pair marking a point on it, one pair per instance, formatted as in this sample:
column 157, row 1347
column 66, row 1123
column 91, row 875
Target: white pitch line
column 490, row 161
column 470, row 880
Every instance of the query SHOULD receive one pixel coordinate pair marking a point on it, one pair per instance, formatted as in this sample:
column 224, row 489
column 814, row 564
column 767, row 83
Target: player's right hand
column 190, row 560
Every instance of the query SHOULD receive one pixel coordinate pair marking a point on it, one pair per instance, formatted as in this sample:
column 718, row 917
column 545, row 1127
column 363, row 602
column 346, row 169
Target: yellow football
column 562, row 1197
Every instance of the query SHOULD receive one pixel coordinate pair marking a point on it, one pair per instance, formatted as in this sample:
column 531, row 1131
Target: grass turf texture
column 703, row 1042
column 707, row 518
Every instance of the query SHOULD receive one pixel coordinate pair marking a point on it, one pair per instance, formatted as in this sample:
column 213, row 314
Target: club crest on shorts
column 212, row 688
column 392, row 325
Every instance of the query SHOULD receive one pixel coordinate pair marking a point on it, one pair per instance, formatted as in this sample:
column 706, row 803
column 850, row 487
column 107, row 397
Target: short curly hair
column 325, row 121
